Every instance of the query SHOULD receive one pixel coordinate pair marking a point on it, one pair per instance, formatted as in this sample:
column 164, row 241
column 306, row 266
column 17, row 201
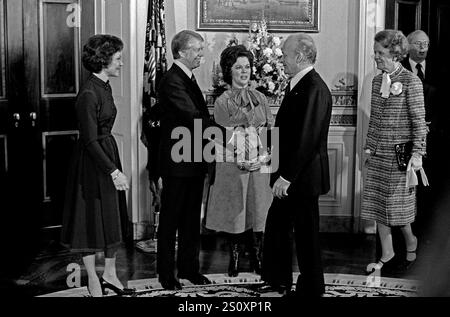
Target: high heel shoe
column 411, row 255
column 409, row 263
column 380, row 265
column 121, row 292
column 92, row 283
column 90, row 294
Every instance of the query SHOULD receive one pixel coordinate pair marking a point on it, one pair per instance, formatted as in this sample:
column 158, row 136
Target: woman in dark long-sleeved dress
column 95, row 215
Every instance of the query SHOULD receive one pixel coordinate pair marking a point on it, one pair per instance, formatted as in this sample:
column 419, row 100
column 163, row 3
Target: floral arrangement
column 268, row 68
column 268, row 62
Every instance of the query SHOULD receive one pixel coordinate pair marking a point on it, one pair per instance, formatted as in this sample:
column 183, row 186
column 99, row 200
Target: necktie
column 287, row 90
column 420, row 72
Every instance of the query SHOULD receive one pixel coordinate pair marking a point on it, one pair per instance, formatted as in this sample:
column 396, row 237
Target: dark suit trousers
column 181, row 201
column 300, row 213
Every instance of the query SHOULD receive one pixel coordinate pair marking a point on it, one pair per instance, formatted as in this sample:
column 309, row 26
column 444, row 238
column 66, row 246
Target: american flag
column 155, row 65
column 155, row 51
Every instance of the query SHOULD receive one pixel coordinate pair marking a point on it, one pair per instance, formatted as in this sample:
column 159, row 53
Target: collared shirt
column 413, row 66
column 184, row 68
column 299, row 76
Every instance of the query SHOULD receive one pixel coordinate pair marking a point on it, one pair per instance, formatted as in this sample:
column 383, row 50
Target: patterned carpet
column 246, row 285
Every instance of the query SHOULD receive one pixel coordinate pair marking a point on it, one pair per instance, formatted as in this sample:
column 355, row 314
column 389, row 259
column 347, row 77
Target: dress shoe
column 170, row 284
column 288, row 293
column 121, row 292
column 278, row 288
column 307, row 293
column 196, row 279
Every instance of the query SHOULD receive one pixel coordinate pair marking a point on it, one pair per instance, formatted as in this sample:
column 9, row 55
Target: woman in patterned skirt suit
column 241, row 196
column 95, row 215
column 397, row 116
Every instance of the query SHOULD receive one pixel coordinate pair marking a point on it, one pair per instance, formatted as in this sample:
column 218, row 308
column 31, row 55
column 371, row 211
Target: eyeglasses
column 422, row 44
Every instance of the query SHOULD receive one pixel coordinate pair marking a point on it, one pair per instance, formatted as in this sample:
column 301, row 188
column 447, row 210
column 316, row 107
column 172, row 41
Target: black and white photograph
column 212, row 155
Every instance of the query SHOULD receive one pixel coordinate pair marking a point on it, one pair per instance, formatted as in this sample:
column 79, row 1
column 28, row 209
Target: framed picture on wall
column 281, row 15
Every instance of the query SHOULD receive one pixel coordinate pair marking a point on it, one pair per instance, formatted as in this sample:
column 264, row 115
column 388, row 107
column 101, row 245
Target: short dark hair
column 395, row 41
column 99, row 50
column 229, row 57
column 181, row 41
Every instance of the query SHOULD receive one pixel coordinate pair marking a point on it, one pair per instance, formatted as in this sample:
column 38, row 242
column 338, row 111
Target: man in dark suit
column 184, row 113
column 303, row 121
column 416, row 62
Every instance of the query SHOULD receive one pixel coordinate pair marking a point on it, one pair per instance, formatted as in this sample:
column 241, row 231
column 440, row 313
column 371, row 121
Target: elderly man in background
column 417, row 63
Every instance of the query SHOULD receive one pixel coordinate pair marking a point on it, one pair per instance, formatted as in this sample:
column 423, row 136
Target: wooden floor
column 342, row 253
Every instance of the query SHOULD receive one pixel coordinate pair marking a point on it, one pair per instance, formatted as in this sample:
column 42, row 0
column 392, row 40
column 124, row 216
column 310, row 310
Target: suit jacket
column 303, row 121
column 181, row 103
column 429, row 91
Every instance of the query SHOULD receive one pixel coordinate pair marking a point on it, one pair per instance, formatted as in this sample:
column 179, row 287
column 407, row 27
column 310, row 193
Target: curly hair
column 229, row 57
column 395, row 41
column 99, row 50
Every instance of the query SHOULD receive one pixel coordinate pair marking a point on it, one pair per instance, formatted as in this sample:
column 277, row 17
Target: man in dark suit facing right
column 303, row 121
column 183, row 170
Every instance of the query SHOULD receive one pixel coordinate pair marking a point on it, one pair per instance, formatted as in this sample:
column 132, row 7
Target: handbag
column 403, row 153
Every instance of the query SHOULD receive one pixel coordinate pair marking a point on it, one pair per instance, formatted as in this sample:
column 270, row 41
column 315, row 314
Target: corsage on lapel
column 396, row 88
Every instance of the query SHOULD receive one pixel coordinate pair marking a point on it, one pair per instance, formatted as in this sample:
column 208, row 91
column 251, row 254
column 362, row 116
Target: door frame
column 371, row 20
column 127, row 19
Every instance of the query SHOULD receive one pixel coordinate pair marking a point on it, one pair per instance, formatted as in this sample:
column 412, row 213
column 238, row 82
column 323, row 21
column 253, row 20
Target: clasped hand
column 121, row 182
column 280, row 188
